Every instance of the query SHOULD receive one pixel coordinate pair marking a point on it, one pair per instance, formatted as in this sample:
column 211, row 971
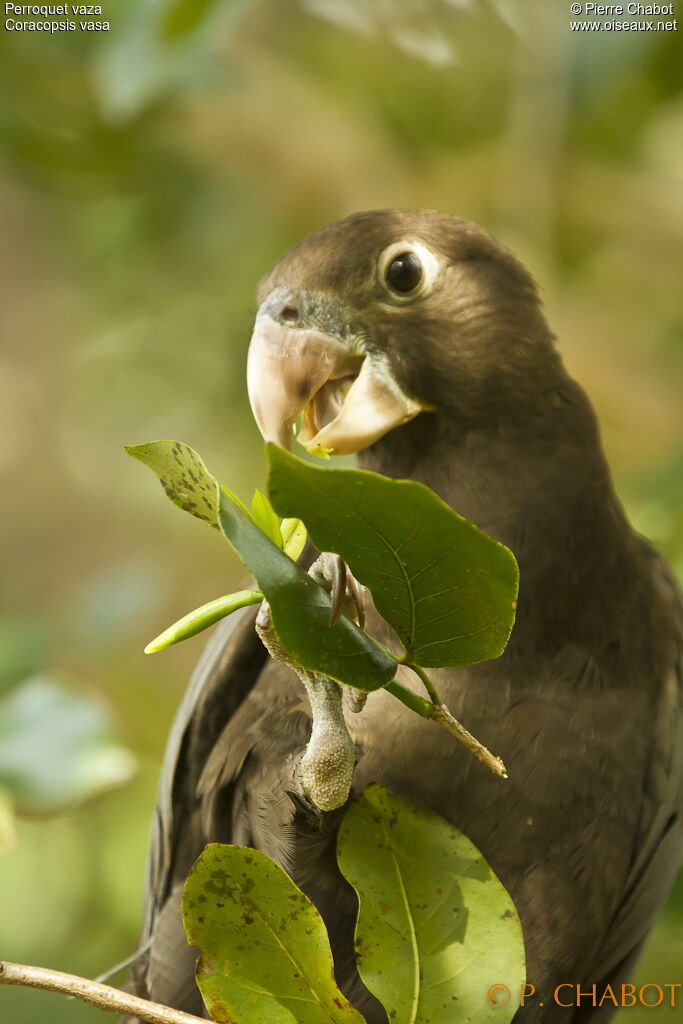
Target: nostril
column 290, row 314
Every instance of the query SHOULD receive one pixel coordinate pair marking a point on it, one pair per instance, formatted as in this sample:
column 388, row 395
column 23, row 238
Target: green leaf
column 201, row 618
column 182, row 475
column 265, row 954
column 300, row 610
column 300, row 607
column 264, row 516
column 435, row 928
column 293, row 536
column 56, row 747
column 448, row 590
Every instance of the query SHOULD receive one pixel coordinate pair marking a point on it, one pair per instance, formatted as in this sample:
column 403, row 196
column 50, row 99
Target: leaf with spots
column 435, row 927
column 448, row 590
column 265, row 954
column 183, row 476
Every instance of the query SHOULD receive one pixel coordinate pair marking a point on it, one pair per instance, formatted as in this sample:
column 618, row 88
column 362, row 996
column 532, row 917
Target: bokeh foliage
column 148, row 177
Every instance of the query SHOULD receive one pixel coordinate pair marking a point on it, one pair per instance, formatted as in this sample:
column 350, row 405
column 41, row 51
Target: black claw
column 356, row 592
column 338, row 590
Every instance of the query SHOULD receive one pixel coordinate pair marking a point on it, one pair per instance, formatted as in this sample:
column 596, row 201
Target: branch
column 439, row 713
column 104, row 997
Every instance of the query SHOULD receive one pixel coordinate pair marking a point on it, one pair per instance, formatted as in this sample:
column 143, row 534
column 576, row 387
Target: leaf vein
column 412, row 932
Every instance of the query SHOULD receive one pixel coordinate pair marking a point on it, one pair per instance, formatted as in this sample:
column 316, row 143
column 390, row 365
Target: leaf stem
column 428, row 684
column 104, row 997
column 411, row 700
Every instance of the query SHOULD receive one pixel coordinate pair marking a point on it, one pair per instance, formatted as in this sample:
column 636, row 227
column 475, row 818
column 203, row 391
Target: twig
column 104, row 997
column 442, row 715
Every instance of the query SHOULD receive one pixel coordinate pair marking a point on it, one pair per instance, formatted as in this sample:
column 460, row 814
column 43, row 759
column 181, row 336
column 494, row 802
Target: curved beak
column 348, row 400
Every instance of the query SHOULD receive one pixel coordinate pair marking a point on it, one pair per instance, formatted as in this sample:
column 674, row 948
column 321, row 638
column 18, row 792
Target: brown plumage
column 462, row 388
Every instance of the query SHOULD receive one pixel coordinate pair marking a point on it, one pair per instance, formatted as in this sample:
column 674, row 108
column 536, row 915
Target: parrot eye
column 404, row 273
column 407, row 270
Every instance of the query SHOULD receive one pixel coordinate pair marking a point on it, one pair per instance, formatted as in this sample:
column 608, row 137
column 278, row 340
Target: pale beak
column 348, row 400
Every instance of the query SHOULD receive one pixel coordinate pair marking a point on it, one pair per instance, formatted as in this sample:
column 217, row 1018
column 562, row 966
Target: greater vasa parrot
column 414, row 339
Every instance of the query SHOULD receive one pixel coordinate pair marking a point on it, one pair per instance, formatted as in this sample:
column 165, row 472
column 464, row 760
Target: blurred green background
column 148, row 176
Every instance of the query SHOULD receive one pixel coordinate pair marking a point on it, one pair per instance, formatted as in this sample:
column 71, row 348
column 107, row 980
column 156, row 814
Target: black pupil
column 404, row 273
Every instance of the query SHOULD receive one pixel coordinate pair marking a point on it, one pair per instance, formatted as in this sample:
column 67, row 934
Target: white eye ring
column 430, row 268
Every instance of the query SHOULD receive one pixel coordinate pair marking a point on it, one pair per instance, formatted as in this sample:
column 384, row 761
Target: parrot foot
column 325, row 770
column 348, row 596
column 332, row 573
